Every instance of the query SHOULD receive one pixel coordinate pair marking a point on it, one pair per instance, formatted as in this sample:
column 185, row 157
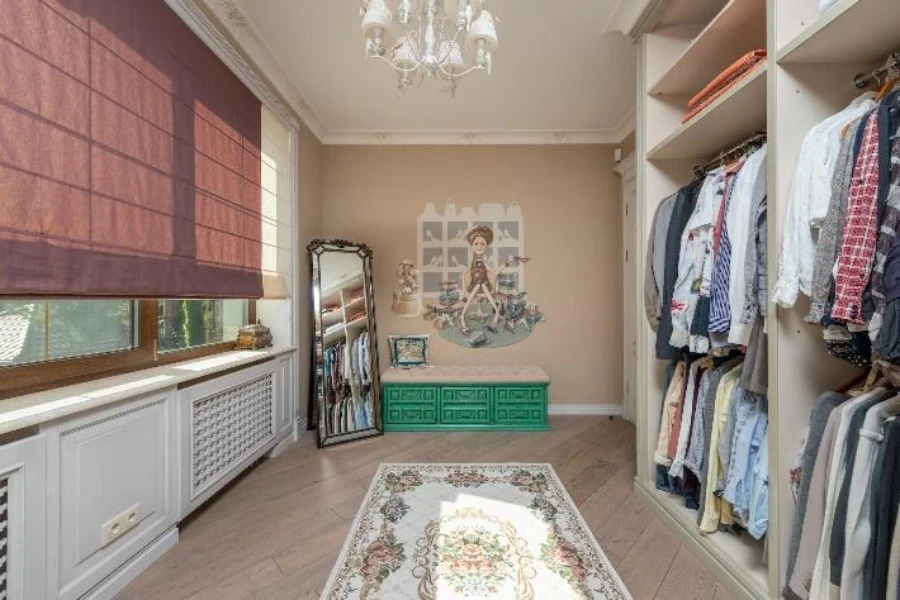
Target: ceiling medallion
column 441, row 39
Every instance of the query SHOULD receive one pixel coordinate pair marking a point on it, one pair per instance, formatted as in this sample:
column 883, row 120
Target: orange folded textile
column 729, row 75
column 705, row 102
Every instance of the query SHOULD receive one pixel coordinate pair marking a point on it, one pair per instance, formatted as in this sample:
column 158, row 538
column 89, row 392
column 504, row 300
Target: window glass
column 184, row 324
column 33, row 331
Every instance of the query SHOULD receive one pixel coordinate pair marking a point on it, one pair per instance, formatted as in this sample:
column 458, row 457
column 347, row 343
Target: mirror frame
column 316, row 420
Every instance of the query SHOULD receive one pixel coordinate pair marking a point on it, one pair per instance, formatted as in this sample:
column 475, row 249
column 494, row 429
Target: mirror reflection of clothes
column 348, row 386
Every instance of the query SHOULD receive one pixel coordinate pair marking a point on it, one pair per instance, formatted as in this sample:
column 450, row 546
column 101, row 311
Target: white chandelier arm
column 394, row 66
column 461, row 74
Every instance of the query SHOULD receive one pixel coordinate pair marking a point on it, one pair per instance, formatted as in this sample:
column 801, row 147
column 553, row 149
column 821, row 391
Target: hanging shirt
column 695, row 264
column 831, row 232
column 860, row 232
column 654, row 275
column 720, row 309
column 858, row 532
column 682, row 209
column 808, row 204
column 887, row 233
column 715, row 509
column 750, row 187
column 674, row 395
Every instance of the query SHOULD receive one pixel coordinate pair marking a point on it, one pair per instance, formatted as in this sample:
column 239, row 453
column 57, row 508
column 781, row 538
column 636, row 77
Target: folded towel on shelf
column 723, row 82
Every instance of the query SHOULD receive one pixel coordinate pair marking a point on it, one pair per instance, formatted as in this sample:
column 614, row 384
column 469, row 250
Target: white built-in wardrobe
column 813, row 56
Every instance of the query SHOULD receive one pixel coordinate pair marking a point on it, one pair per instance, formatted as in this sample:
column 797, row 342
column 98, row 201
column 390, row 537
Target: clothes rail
column 757, row 139
column 863, row 79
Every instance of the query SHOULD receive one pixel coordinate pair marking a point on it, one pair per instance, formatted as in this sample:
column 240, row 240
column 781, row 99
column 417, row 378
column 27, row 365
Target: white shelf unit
column 851, row 31
column 739, row 111
column 667, row 151
column 812, row 79
column 813, row 58
column 739, row 28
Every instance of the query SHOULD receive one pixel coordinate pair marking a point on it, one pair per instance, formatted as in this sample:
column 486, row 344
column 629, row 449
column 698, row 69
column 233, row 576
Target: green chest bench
column 455, row 398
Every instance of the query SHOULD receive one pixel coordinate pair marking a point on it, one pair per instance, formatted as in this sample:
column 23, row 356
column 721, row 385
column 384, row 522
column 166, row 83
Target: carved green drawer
column 460, row 405
column 411, row 405
column 488, row 406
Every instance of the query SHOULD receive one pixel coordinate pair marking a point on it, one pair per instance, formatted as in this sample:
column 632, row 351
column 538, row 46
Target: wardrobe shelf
column 739, row 28
column 852, row 31
column 739, row 558
column 690, row 12
column 738, row 113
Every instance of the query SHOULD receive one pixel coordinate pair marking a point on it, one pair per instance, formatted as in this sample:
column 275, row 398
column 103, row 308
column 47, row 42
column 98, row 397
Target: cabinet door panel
column 109, row 463
column 23, row 523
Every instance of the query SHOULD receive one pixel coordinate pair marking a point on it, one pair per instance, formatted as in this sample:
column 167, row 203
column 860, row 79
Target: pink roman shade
column 129, row 156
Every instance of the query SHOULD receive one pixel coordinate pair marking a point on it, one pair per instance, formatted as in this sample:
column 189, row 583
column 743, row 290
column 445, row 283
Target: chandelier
column 441, row 39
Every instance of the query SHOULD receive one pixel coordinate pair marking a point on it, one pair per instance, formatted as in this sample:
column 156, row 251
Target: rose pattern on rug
column 394, row 509
column 382, row 557
column 475, row 553
column 563, row 559
column 535, row 483
column 459, row 531
column 543, row 508
column 468, row 478
column 403, row 482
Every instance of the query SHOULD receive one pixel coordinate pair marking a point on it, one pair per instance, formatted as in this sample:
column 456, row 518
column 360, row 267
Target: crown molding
column 500, row 137
column 224, row 27
column 241, row 29
column 201, row 24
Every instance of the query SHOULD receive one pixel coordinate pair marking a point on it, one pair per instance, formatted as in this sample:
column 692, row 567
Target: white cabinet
column 113, row 493
column 226, row 424
column 23, row 519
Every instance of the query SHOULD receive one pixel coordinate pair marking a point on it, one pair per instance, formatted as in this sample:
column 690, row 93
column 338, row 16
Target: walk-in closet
column 716, row 82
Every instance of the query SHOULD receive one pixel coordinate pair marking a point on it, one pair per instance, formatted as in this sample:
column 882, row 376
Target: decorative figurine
column 407, row 302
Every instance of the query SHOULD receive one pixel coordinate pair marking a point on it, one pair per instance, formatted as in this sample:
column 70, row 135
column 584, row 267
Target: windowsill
column 34, row 409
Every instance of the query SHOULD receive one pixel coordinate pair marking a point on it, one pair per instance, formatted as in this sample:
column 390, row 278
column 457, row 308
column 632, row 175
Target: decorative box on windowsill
column 254, row 337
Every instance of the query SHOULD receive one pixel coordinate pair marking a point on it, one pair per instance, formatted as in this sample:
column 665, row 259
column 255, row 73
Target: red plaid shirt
column 857, row 253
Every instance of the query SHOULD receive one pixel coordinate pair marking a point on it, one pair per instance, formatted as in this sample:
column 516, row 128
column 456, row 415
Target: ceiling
column 558, row 74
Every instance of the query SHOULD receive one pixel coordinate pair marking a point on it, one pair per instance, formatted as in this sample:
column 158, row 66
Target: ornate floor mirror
column 345, row 394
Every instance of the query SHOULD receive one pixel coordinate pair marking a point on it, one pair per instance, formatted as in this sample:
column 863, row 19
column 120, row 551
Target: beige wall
column 570, row 199
column 309, row 155
column 628, row 145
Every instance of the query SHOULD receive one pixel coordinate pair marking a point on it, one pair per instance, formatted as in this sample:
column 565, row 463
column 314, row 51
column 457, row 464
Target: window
column 33, row 331
column 51, row 343
column 184, row 324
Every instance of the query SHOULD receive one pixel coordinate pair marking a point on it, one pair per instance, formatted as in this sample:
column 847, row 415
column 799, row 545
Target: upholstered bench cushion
column 467, row 374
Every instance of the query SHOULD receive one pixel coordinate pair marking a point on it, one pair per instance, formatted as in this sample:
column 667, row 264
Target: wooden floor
column 277, row 531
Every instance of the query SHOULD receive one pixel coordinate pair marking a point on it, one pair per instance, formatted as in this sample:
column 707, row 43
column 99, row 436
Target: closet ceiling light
column 441, row 39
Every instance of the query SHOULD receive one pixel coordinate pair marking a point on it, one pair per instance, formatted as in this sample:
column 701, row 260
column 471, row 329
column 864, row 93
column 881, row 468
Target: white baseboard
column 607, row 410
column 117, row 582
column 283, row 445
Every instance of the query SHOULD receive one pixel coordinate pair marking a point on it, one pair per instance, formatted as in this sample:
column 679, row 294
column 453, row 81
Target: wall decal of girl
column 479, row 280
column 475, row 296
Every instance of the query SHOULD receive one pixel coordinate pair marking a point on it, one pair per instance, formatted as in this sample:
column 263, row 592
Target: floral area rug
column 466, row 531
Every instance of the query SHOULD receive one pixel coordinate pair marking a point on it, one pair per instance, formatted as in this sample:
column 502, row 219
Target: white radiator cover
column 228, row 427
column 226, row 424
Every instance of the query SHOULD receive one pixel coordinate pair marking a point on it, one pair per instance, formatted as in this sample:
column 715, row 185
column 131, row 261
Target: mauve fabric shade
column 129, row 156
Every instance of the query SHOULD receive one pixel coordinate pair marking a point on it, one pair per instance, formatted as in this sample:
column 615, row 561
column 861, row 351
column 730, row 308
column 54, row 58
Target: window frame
column 43, row 376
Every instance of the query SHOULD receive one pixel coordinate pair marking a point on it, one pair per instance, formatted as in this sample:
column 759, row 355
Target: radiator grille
column 4, row 535
column 227, row 427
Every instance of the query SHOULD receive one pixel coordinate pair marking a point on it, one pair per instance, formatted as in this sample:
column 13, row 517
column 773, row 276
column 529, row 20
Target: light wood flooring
column 277, row 531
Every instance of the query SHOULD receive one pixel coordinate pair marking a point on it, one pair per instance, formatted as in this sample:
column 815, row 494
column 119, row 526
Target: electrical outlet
column 119, row 525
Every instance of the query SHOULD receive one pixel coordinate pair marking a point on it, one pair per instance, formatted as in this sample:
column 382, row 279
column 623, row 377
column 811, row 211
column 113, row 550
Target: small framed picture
column 409, row 351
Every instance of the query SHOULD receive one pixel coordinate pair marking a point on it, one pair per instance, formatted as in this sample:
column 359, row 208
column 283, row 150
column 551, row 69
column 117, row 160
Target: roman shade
column 129, row 156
